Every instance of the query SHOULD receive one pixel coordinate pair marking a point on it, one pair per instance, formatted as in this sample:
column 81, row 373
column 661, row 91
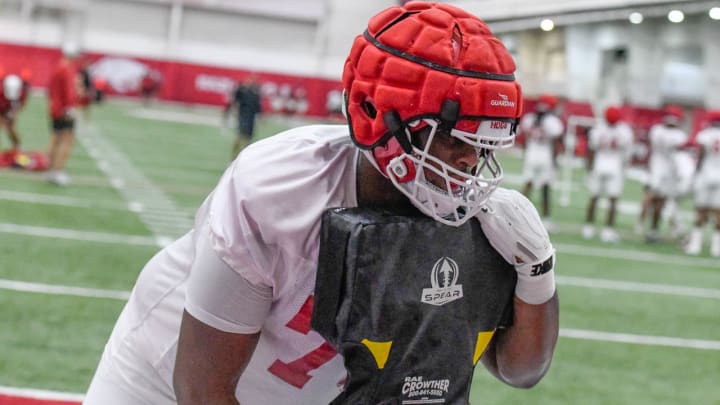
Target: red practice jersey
column 62, row 90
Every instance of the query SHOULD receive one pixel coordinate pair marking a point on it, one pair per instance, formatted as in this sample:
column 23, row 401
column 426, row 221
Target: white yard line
column 41, row 394
column 183, row 117
column 50, row 199
column 70, row 234
column 684, row 291
column 24, row 286
column 640, row 339
column 627, row 338
column 626, row 254
column 663, row 289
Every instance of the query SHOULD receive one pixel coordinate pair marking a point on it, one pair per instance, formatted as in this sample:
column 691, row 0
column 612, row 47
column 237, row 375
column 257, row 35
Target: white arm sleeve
column 220, row 297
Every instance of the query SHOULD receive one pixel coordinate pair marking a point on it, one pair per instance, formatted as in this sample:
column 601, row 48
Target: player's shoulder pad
column 514, row 228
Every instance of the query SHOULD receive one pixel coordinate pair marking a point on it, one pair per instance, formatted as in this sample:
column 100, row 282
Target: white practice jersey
column 540, row 137
column 264, row 220
column 612, row 146
column 664, row 144
column 709, row 141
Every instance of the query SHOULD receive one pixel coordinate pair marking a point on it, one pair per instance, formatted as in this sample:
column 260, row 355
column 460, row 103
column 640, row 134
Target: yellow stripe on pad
column 482, row 342
column 379, row 350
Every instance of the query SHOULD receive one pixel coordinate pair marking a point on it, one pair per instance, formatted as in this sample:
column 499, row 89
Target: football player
column 222, row 315
column 246, row 99
column 609, row 148
column 63, row 99
column 707, row 187
column 542, row 130
column 666, row 138
column 10, row 105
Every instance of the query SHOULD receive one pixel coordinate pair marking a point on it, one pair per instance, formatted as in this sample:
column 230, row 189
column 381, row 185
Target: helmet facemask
column 454, row 189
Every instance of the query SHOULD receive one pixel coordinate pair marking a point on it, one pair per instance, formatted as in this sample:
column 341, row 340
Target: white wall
column 710, row 40
column 665, row 62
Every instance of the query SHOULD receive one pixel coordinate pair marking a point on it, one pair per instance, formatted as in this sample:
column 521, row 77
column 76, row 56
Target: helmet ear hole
column 369, row 109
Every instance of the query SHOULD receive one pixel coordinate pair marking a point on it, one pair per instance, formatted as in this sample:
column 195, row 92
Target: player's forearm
column 209, row 363
column 190, row 399
column 192, row 387
column 524, row 351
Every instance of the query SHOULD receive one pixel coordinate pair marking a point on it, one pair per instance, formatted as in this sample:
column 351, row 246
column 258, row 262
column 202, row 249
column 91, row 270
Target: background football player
column 609, row 148
column 542, row 130
column 707, row 187
column 10, row 104
column 666, row 138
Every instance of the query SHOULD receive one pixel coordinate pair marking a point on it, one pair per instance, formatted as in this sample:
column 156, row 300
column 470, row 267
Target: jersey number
column 296, row 372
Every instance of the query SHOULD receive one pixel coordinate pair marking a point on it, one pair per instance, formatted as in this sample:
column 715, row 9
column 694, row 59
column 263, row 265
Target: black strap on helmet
column 395, row 127
column 449, row 114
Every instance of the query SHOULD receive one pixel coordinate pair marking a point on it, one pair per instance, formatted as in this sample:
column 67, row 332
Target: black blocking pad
column 409, row 303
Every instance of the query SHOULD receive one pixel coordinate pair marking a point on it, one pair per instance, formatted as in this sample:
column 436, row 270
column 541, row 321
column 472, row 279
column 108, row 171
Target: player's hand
column 514, row 228
column 71, row 113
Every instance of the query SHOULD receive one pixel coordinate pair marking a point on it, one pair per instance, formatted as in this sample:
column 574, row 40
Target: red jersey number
column 296, row 372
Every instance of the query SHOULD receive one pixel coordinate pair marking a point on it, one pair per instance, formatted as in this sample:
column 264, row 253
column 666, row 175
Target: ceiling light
column 547, row 25
column 635, row 18
column 714, row 13
column 676, row 16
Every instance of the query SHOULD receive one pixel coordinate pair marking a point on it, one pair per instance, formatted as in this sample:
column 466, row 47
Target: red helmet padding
column 439, row 33
column 613, row 115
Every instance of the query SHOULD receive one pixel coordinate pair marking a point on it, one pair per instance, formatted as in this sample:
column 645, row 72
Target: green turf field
column 640, row 323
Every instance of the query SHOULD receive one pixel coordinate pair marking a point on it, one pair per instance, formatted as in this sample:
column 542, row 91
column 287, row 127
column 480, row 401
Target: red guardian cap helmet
column 613, row 115
column 673, row 115
column 434, row 67
column 547, row 102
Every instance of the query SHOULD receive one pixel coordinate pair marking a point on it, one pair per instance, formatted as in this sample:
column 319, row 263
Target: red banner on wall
column 181, row 82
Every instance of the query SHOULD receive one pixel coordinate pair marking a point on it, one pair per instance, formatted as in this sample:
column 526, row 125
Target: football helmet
column 673, row 115
column 429, row 74
column 12, row 87
column 546, row 102
column 613, row 115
